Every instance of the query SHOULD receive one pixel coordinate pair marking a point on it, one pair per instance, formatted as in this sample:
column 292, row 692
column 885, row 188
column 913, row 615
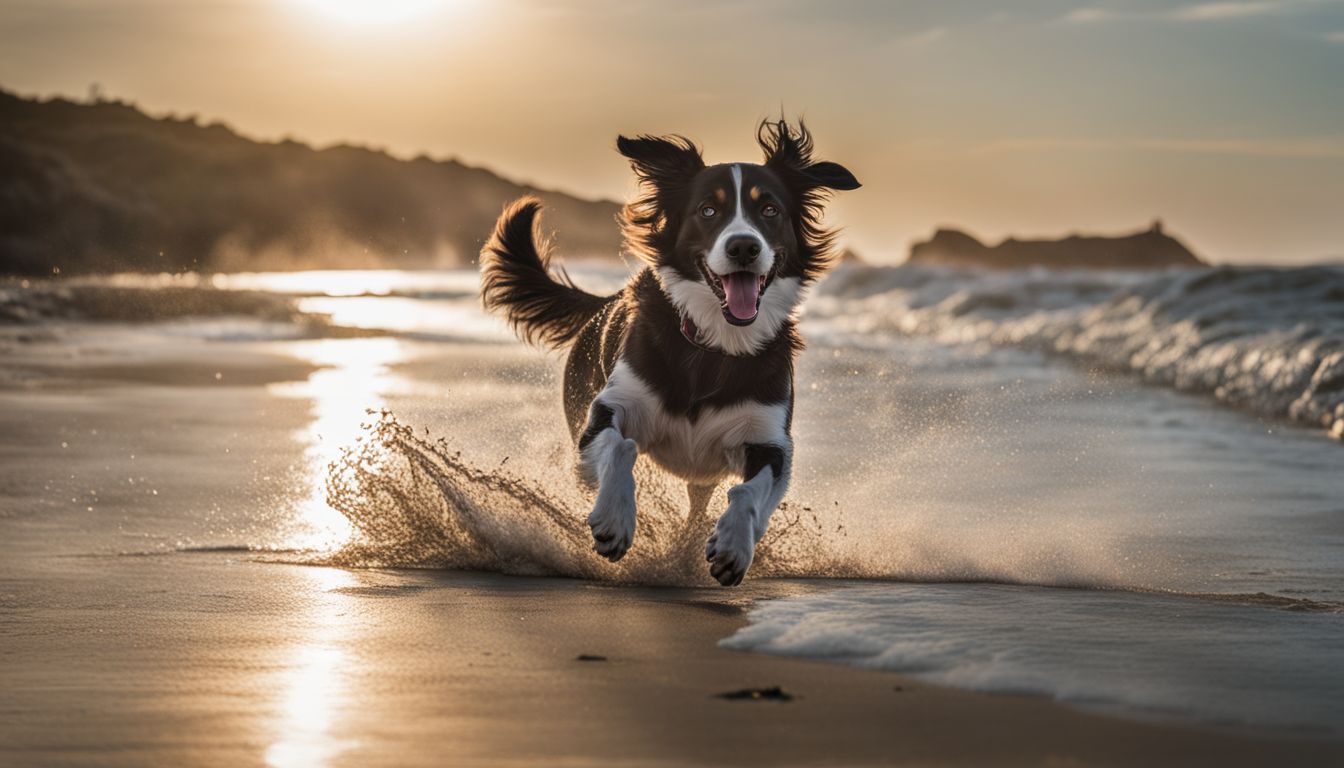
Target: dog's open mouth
column 739, row 293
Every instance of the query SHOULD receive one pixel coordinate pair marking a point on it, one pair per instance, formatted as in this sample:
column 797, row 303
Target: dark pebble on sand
column 589, row 657
column 757, row 694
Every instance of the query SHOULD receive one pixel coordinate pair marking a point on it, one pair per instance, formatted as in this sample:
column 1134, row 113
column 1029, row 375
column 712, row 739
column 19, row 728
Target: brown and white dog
column 692, row 362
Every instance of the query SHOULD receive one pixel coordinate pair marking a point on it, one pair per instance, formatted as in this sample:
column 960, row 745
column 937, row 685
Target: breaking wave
column 1266, row 340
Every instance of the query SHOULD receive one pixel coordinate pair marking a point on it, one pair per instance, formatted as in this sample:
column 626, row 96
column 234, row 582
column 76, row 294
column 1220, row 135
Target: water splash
column 414, row 501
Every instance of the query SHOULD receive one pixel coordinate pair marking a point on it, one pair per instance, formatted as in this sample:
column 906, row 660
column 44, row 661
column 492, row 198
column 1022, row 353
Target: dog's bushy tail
column 543, row 308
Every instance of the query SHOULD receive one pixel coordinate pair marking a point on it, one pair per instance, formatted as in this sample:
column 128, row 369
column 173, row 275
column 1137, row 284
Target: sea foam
column 1267, row 340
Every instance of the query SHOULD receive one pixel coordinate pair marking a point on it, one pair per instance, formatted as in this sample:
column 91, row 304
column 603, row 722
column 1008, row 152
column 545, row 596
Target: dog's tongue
column 741, row 289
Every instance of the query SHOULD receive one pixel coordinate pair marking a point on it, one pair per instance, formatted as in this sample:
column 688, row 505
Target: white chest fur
column 699, row 450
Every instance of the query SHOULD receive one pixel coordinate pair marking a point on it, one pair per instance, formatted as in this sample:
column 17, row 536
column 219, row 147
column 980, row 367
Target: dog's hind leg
column 607, row 461
column 700, row 496
column 766, row 470
column 690, row 540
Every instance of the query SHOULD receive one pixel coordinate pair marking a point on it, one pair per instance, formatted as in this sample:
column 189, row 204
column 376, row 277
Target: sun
column 364, row 12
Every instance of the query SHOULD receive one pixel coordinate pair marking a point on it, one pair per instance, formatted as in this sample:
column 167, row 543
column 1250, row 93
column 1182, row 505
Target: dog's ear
column 789, row 154
column 666, row 162
column 831, row 175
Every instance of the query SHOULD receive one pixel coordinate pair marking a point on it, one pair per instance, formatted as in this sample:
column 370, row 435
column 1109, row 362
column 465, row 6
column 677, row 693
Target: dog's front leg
column 750, row 504
column 607, row 461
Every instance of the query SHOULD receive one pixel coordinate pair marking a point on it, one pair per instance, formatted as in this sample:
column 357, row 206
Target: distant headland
column 100, row 186
column 1146, row 249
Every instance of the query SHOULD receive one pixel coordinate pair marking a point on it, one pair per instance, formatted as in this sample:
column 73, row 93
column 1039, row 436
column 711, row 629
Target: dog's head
column 734, row 245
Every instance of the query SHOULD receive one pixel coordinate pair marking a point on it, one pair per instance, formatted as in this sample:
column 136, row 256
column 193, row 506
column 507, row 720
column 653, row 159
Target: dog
column 691, row 363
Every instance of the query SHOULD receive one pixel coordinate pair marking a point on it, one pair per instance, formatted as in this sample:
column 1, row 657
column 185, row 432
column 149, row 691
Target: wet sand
column 218, row 659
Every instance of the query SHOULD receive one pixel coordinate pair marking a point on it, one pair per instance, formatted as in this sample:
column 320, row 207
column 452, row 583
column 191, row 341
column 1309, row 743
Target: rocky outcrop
column 1148, row 249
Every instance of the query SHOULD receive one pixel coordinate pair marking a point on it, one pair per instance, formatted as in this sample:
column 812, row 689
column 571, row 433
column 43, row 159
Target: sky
column 1036, row 118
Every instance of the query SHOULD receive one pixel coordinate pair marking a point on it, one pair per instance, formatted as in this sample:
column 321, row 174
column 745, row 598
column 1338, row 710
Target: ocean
column 1121, row 490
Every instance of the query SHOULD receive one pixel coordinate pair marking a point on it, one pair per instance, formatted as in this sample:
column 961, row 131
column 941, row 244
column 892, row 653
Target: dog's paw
column 733, row 544
column 613, row 517
column 612, row 534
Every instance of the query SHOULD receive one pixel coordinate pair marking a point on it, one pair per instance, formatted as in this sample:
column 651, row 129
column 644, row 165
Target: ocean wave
column 1261, row 599
column 88, row 301
column 1267, row 340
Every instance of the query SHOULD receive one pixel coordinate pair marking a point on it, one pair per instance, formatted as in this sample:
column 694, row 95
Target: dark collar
column 692, row 334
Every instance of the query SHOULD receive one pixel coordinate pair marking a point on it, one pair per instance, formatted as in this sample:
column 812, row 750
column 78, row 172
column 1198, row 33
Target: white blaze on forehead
column 717, row 260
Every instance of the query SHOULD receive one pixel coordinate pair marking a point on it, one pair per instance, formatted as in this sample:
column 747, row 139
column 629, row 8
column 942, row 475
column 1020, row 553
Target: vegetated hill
column 1147, row 249
column 103, row 187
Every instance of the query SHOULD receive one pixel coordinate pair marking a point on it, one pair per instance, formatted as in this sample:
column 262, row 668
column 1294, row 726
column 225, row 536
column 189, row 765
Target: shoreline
column 288, row 664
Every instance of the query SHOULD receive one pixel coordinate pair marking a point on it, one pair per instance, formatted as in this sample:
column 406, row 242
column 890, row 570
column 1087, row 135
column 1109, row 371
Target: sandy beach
column 260, row 663
column 167, row 595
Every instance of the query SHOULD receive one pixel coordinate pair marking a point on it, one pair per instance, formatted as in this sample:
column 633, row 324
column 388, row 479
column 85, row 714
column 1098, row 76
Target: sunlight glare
column 312, row 691
column 372, row 11
column 352, row 378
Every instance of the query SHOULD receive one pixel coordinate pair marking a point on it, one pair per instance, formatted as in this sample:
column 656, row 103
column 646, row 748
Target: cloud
column 1322, row 148
column 1087, row 16
column 1215, row 11
column 1335, row 37
column 927, row 37
column 1318, row 148
column 1218, row 11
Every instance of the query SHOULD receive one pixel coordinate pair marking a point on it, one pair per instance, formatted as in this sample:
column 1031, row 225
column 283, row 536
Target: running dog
column 691, row 363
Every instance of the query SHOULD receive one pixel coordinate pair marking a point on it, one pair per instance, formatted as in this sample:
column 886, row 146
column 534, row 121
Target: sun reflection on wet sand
column 354, row 282
column 354, row 377
column 460, row 319
column 314, row 686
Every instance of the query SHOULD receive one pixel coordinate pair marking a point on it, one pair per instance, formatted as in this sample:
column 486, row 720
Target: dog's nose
column 743, row 249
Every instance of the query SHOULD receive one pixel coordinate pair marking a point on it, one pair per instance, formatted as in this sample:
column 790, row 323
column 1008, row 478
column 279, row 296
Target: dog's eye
column 770, row 211
column 708, row 211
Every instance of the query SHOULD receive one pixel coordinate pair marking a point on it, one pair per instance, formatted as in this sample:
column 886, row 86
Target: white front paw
column 589, row 469
column 733, row 544
column 613, row 515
